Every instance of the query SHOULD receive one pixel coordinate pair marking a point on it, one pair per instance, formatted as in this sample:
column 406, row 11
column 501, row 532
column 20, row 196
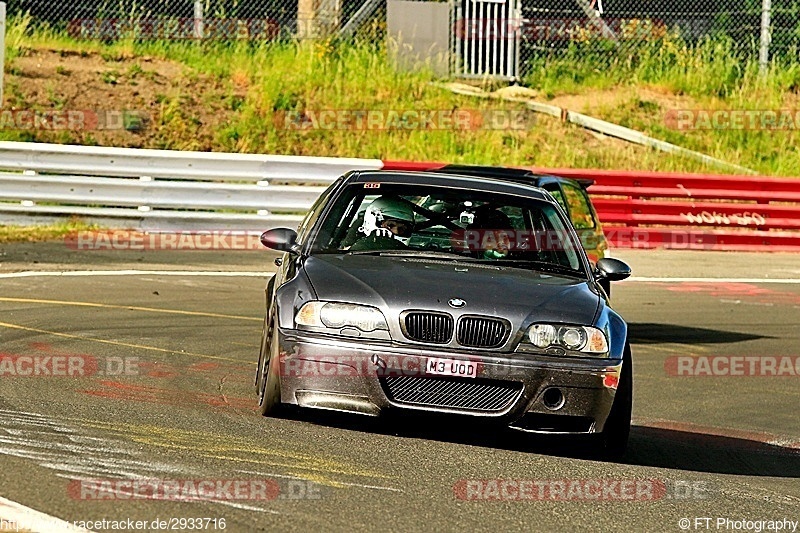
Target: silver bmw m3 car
column 448, row 294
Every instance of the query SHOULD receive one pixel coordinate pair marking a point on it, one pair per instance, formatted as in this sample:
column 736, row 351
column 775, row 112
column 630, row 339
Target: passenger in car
column 491, row 233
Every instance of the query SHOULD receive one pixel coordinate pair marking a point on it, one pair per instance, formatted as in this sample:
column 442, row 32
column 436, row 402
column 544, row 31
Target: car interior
column 466, row 223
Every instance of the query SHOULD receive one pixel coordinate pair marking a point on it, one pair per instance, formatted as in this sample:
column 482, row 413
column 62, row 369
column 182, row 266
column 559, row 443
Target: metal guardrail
column 161, row 189
column 190, row 191
column 211, row 166
column 157, row 194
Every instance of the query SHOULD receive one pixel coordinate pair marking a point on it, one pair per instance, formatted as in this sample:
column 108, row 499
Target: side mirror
column 612, row 269
column 281, row 239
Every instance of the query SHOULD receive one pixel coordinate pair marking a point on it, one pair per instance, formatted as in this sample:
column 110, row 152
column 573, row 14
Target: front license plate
column 452, row 367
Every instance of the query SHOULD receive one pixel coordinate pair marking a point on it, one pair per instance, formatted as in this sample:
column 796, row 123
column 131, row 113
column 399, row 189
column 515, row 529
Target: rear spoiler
column 518, row 174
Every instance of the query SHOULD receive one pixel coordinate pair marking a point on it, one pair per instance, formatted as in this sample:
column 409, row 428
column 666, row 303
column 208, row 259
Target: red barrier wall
column 673, row 210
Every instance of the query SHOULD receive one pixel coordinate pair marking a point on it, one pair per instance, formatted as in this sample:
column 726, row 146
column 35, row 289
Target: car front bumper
column 528, row 392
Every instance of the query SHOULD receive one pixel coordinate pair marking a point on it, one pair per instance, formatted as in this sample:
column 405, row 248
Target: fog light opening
column 553, row 399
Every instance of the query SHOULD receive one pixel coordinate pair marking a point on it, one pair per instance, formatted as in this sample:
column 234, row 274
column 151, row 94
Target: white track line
column 17, row 517
column 793, row 281
column 89, row 273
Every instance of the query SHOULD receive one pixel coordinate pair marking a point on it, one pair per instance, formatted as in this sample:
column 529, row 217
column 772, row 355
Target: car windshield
column 448, row 224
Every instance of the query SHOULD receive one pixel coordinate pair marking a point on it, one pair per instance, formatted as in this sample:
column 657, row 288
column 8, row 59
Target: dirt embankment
column 89, row 98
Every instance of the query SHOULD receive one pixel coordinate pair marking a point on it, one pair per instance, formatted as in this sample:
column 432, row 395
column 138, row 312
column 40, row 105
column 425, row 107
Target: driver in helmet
column 388, row 224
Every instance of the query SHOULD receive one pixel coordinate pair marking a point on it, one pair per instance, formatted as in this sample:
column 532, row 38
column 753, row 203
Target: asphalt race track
column 162, row 391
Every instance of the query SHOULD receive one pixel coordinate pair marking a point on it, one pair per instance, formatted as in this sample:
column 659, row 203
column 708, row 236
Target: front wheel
column 613, row 441
column 263, row 347
column 269, row 397
column 265, row 333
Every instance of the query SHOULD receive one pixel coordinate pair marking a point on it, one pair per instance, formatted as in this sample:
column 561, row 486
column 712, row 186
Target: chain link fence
column 766, row 29
column 204, row 19
column 553, row 24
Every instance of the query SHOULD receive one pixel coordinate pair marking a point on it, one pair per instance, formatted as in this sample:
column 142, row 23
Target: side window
column 353, row 218
column 556, row 192
column 579, row 210
column 313, row 214
column 307, row 221
column 340, row 228
column 562, row 249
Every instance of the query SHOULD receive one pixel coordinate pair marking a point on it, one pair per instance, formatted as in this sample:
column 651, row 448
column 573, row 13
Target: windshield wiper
column 434, row 254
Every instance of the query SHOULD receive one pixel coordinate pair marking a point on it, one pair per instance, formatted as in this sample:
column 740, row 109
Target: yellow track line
column 129, row 307
column 116, row 343
column 233, row 449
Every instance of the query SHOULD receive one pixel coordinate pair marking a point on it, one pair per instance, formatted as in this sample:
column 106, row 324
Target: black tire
column 613, row 441
column 269, row 391
column 261, row 352
column 264, row 337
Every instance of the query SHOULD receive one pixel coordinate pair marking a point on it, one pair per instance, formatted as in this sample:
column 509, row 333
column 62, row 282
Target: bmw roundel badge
column 457, row 303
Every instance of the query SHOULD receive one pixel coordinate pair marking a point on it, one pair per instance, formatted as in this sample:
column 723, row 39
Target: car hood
column 395, row 284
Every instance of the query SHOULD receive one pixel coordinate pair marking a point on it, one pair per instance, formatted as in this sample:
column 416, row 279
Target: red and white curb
column 17, row 517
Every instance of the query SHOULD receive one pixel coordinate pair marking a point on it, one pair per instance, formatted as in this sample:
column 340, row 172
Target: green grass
column 257, row 82
column 50, row 232
column 711, row 74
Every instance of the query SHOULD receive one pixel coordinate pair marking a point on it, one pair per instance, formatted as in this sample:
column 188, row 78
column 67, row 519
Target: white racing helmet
column 389, row 208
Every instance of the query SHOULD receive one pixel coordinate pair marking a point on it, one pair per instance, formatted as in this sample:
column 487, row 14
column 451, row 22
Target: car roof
column 449, row 179
column 518, row 175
